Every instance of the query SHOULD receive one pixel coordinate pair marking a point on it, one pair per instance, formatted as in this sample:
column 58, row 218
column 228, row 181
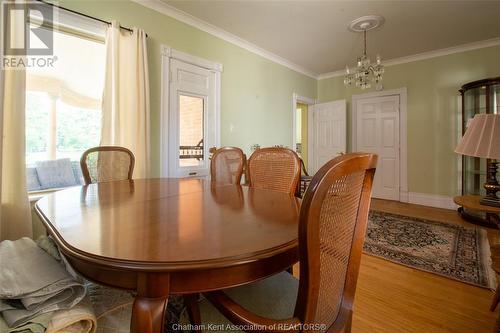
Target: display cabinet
column 481, row 96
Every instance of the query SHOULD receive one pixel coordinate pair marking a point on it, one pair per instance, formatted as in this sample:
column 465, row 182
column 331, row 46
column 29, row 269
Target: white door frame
column 168, row 53
column 299, row 99
column 403, row 138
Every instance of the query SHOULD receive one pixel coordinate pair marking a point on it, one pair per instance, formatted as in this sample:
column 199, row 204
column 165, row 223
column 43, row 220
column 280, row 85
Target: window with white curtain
column 63, row 108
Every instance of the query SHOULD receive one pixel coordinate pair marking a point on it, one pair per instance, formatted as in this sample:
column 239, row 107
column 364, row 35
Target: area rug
column 450, row 250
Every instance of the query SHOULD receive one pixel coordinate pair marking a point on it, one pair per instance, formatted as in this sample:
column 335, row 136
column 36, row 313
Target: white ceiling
column 314, row 35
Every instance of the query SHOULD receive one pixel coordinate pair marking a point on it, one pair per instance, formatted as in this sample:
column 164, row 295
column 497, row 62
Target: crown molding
column 191, row 20
column 426, row 55
column 333, row 74
column 202, row 25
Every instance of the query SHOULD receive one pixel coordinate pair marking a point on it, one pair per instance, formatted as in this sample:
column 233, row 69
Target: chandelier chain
column 365, row 72
column 364, row 35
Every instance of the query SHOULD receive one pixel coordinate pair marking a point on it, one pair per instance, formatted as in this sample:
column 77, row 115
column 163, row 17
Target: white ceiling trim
column 426, row 55
column 191, row 20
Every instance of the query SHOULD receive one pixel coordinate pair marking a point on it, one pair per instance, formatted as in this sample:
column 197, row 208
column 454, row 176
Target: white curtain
column 126, row 95
column 15, row 211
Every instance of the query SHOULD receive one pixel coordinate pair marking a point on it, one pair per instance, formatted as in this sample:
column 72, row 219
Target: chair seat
column 273, row 297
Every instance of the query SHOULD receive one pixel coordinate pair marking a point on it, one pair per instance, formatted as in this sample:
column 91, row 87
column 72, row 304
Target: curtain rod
column 84, row 15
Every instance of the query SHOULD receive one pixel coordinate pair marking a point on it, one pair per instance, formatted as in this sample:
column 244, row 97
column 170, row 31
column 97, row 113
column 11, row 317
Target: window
column 63, row 109
column 190, row 130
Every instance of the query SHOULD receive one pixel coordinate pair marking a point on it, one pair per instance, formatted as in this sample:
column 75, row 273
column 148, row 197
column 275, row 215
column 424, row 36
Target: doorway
column 301, row 131
column 379, row 127
column 327, row 133
column 300, row 110
column 190, row 114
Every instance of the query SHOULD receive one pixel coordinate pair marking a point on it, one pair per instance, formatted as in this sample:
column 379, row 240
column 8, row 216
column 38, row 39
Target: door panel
column 192, row 119
column 377, row 131
column 369, row 132
column 327, row 133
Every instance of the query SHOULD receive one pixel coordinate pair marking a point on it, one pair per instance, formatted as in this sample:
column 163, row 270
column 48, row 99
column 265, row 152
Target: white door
column 327, row 133
column 192, row 119
column 377, row 131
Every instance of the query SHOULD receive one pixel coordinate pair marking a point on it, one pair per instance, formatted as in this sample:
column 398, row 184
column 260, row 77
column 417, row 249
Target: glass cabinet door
column 478, row 97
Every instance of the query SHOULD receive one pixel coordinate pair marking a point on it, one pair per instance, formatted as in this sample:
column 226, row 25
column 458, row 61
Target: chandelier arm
column 365, row 72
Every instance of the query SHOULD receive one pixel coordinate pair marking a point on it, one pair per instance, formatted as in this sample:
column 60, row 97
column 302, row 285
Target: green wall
column 257, row 93
column 256, row 101
column 433, row 112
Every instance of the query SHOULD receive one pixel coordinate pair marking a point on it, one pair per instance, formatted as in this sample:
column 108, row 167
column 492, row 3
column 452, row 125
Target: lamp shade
column 482, row 137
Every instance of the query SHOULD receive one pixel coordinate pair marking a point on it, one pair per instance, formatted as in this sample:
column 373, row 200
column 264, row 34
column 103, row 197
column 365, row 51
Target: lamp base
column 491, row 186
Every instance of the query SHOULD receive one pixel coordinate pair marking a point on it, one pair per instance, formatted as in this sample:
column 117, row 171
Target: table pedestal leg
column 150, row 304
column 148, row 314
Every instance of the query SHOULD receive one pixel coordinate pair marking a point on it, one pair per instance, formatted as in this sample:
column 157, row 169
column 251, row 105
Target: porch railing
column 192, row 151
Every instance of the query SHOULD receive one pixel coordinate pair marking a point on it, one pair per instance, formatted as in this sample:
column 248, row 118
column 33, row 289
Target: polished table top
column 171, row 222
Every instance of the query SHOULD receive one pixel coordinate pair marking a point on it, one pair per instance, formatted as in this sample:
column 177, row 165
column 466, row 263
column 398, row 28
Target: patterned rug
column 453, row 251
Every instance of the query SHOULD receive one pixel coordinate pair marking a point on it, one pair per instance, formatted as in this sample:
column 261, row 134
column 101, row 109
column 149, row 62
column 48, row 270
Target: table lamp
column 482, row 139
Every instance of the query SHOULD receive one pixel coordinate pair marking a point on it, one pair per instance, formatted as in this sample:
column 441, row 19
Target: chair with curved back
column 333, row 220
column 107, row 163
column 103, row 164
column 305, row 179
column 227, row 165
column 274, row 168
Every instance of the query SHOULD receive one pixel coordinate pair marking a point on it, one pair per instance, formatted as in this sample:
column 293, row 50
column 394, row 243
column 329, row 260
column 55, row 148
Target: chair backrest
column 107, row 163
column 333, row 219
column 276, row 169
column 303, row 167
column 227, row 165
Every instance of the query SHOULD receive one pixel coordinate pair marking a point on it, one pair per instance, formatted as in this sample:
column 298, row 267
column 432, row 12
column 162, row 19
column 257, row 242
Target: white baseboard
column 403, row 196
column 432, row 200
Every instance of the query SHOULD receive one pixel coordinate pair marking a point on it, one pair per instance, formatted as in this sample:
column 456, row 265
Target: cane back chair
column 227, row 165
column 107, row 163
column 274, row 168
column 333, row 220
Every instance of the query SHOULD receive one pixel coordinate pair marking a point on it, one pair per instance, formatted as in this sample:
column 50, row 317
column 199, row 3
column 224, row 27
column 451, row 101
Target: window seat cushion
column 32, row 182
column 55, row 173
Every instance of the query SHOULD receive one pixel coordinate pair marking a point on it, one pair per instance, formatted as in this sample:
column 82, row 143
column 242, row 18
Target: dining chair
column 227, row 165
column 107, row 163
column 332, row 225
column 305, row 179
column 274, row 168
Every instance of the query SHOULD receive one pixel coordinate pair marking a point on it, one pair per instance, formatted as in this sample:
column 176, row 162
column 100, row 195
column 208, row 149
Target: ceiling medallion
column 365, row 72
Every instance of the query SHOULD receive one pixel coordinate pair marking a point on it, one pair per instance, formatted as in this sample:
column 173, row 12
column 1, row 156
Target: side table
column 471, row 202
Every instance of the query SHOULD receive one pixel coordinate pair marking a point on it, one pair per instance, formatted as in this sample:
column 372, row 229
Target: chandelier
column 365, row 72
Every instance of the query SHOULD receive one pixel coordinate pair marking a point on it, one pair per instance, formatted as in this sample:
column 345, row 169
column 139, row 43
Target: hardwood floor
column 393, row 298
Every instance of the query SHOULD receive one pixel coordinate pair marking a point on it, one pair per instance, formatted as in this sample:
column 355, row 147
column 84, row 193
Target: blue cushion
column 32, row 182
column 77, row 172
column 273, row 297
column 55, row 173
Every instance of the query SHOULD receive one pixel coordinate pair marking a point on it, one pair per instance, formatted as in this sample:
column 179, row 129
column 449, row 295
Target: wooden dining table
column 168, row 236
